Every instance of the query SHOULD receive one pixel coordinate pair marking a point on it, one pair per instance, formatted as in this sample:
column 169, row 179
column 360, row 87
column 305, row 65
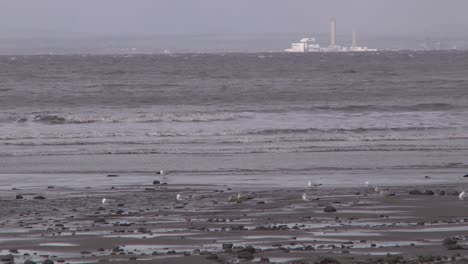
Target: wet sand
column 146, row 224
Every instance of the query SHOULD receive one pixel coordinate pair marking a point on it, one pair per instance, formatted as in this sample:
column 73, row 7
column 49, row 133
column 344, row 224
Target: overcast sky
column 189, row 17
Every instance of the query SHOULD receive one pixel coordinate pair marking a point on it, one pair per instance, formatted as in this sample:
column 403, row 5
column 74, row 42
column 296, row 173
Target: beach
column 213, row 223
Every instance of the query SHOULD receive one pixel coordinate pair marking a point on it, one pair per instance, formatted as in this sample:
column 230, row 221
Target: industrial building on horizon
column 311, row 45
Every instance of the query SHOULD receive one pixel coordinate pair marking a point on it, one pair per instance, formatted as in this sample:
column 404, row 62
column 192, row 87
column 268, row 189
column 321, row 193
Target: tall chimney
column 333, row 33
column 354, row 43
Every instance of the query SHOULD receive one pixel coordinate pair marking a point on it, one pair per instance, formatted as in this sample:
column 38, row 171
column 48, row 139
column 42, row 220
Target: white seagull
column 304, row 197
column 315, row 185
column 104, row 201
column 463, row 195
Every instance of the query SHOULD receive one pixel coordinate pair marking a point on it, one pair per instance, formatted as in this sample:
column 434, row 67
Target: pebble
column 246, row 255
column 39, row 198
column 329, row 209
column 227, row 246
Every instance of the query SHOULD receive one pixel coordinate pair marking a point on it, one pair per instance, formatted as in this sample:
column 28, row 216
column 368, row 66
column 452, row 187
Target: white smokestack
column 333, row 33
column 354, row 43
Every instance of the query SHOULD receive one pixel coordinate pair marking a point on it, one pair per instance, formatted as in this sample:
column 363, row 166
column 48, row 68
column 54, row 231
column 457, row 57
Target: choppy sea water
column 387, row 117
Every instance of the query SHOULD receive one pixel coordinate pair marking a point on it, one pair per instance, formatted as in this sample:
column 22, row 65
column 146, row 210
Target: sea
column 248, row 120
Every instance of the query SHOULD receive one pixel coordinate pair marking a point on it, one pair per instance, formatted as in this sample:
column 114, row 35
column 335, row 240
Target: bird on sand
column 463, row 195
column 314, row 185
column 304, row 197
column 104, row 201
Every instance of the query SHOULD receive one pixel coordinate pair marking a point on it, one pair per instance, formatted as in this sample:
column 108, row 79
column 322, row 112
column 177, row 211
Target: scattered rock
column 39, row 198
column 454, row 247
column 113, row 175
column 156, row 182
column 227, row 246
column 466, row 176
column 48, row 261
column 212, row 257
column 7, row 258
column 415, row 192
column 246, row 255
column 329, row 209
column 264, row 260
column 450, row 241
column 428, row 192
column 28, row 261
column 19, row 197
column 327, row 260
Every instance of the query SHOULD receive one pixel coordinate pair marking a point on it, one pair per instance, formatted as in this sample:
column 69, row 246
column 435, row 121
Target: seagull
column 463, row 195
column 179, row 197
column 367, row 184
column 315, row 185
column 104, row 201
column 376, row 189
column 304, row 197
column 245, row 197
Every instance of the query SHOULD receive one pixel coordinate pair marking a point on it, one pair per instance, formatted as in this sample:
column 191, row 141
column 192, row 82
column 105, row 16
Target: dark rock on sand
column 212, row 257
column 249, row 249
column 246, row 255
column 264, row 260
column 113, row 175
column 19, row 197
column 428, row 192
column 116, row 249
column 14, row 251
column 47, row 261
column 28, row 261
column 227, row 246
column 454, row 247
column 450, row 241
column 329, row 209
column 156, row 182
column 466, row 176
column 39, row 198
column 7, row 258
column 327, row 260
column 415, row 192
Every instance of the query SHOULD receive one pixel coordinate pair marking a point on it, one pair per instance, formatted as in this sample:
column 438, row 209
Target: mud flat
column 225, row 224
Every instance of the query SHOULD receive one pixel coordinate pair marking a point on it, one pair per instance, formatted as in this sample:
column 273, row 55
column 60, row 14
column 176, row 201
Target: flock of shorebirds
column 305, row 197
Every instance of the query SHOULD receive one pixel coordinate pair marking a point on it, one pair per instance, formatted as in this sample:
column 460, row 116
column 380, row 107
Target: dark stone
column 428, row 192
column 212, row 257
column 249, row 249
column 50, row 187
column 246, row 255
column 454, row 247
column 14, row 251
column 156, row 182
column 450, row 241
column 113, row 175
column 415, row 192
column 327, row 260
column 329, row 209
column 116, row 249
column 7, row 258
column 227, row 246
column 264, row 260
column 466, row 176
column 28, row 261
column 48, row 261
column 19, row 197
column 39, row 198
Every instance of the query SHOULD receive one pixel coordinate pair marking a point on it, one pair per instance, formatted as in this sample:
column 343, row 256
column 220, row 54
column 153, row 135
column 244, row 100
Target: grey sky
column 188, row 17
